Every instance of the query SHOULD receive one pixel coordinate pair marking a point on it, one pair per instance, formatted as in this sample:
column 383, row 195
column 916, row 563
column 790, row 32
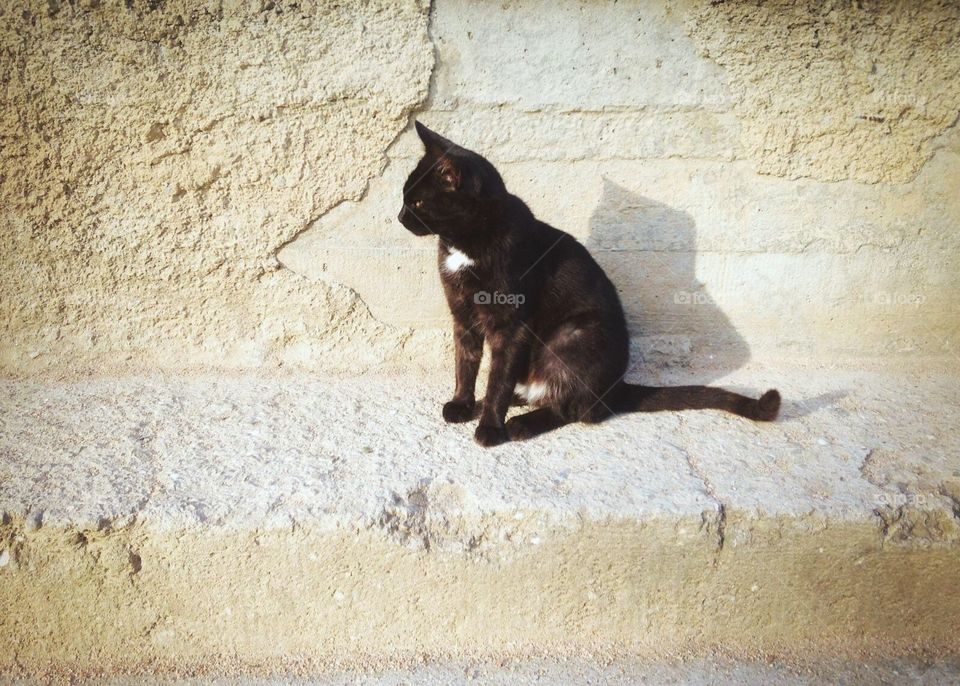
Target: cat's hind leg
column 533, row 423
column 574, row 372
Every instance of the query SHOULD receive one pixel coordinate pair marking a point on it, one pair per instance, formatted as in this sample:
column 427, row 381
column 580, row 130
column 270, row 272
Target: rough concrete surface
column 753, row 208
column 782, row 167
column 154, row 156
column 244, row 524
column 512, row 672
column 861, row 90
column 197, row 234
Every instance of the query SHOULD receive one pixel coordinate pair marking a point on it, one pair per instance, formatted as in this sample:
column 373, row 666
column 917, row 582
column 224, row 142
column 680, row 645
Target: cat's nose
column 403, row 215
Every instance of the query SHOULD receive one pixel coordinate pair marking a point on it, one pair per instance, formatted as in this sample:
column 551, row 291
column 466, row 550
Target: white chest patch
column 532, row 393
column 456, row 261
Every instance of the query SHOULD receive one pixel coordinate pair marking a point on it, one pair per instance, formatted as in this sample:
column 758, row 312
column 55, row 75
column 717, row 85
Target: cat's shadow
column 648, row 250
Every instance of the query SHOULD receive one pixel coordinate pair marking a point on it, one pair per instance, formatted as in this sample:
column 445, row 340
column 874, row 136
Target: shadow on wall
column 649, row 250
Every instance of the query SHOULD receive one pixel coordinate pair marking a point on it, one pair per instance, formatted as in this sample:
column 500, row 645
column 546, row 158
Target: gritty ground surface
column 241, row 526
column 325, row 451
column 691, row 673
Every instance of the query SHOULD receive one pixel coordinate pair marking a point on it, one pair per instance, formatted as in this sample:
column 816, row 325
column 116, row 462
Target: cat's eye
column 418, row 204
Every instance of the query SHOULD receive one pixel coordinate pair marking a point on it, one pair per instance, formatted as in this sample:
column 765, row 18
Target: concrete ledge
column 252, row 523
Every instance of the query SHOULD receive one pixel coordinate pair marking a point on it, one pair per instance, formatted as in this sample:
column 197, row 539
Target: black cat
column 554, row 323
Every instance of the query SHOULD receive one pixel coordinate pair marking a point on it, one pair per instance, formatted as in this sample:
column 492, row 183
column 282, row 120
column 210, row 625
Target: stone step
column 249, row 525
column 708, row 671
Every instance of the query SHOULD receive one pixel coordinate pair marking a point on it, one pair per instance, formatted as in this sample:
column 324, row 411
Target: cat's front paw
column 456, row 412
column 488, row 436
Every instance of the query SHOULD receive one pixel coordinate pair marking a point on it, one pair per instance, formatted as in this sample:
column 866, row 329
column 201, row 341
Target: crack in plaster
column 384, row 160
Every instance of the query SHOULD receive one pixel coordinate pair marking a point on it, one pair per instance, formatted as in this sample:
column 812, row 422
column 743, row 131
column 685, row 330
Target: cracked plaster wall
column 216, row 184
column 153, row 158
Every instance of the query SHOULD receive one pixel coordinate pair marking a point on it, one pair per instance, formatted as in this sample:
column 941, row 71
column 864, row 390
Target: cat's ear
column 435, row 144
column 449, row 173
column 438, row 147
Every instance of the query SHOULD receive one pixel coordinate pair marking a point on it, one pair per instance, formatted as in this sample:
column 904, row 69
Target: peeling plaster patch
column 155, row 157
column 837, row 90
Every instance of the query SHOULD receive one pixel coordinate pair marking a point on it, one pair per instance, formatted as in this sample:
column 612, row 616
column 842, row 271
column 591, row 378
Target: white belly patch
column 456, row 261
column 532, row 393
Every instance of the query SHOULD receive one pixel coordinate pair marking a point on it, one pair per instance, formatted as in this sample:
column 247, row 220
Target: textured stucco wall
column 155, row 157
column 759, row 180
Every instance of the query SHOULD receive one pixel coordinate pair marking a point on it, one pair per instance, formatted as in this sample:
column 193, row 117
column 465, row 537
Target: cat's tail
column 632, row 398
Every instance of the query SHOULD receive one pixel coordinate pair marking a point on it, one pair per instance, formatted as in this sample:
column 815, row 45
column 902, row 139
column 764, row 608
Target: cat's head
column 447, row 192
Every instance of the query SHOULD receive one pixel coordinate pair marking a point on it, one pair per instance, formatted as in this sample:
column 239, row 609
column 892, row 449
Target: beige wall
column 217, row 185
